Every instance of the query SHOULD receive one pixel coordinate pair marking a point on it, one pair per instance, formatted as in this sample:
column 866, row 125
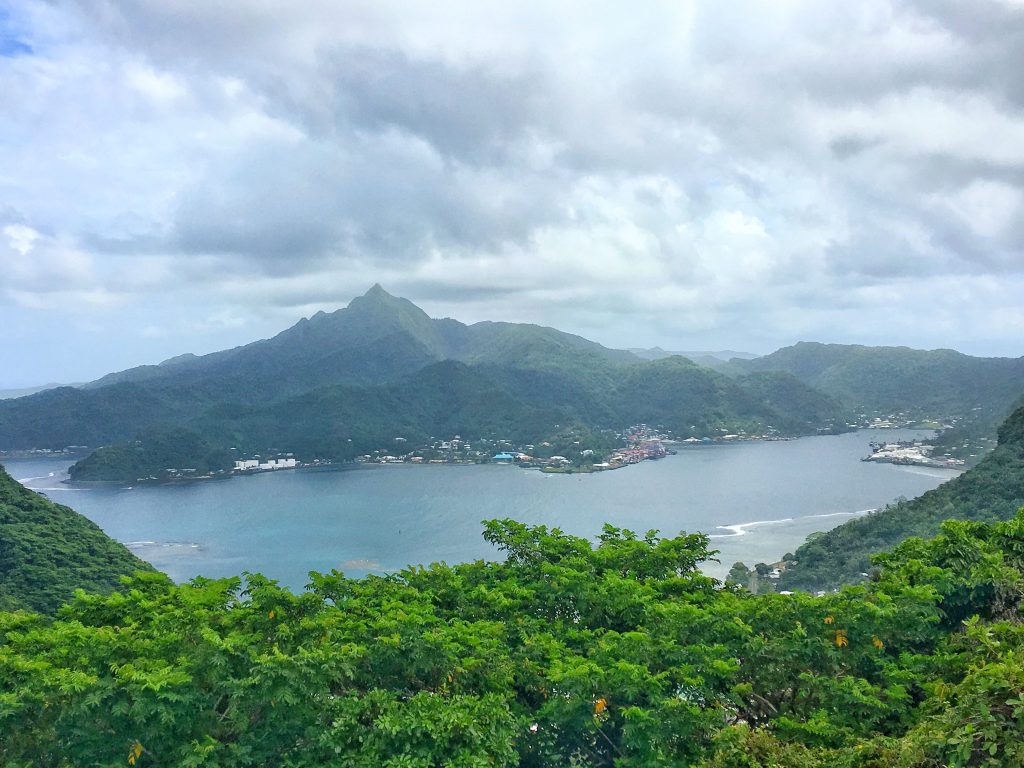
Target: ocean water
column 757, row 500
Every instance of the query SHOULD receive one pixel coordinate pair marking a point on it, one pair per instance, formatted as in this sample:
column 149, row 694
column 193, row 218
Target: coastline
column 532, row 464
column 311, row 521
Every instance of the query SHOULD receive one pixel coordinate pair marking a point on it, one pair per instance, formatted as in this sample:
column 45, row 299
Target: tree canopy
column 48, row 550
column 617, row 652
column 991, row 491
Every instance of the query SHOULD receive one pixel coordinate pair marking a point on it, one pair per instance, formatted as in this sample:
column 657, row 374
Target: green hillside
column 694, row 401
column 569, row 653
column 377, row 340
column 47, row 551
column 991, row 491
column 475, row 401
column 382, row 367
column 934, row 383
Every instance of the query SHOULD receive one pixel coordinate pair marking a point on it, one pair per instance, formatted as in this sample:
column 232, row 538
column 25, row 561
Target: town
column 568, row 451
column 910, row 452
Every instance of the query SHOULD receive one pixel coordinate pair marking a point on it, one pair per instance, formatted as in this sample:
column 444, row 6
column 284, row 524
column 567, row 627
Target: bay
column 757, row 500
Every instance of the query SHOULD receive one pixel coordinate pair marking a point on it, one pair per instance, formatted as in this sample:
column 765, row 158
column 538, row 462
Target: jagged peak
column 376, row 294
column 377, row 299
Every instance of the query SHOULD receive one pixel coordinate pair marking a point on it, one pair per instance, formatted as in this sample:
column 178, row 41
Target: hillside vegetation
column 567, row 653
column 338, row 385
column 47, row 551
column 449, row 398
column 933, row 383
column 973, row 393
column 991, row 491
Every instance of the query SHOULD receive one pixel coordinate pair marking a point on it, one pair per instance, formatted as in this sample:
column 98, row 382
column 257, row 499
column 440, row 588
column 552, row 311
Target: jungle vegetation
column 617, row 652
column 991, row 491
column 47, row 551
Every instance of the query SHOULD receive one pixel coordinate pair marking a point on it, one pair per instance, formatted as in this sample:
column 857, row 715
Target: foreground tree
column 613, row 653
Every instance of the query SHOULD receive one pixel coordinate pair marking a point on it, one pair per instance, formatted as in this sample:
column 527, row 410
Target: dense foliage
column 565, row 654
column 452, row 398
column 991, row 491
column 159, row 450
column 931, row 383
column 48, row 550
column 342, row 384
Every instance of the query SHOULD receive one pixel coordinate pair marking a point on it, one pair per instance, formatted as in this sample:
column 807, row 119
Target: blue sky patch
column 11, row 47
column 10, row 43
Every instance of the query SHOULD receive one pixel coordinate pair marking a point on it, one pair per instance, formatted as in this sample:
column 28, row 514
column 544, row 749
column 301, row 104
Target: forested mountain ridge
column 47, row 551
column 370, row 372
column 375, row 339
column 489, row 401
column 932, row 383
column 991, row 491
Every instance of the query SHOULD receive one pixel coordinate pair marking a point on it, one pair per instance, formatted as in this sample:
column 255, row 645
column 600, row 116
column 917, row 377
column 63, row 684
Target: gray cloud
column 663, row 174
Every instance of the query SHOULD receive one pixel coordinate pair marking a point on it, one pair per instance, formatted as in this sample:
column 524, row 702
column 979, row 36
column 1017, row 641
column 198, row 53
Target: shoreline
column 355, row 464
column 740, row 533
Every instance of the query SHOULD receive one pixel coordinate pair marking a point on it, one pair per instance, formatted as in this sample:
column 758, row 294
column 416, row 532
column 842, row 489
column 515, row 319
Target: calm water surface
column 758, row 500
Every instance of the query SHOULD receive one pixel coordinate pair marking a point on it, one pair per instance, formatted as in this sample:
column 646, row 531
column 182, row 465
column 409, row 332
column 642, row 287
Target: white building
column 248, row 465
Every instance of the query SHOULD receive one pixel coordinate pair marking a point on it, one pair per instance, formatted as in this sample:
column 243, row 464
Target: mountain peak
column 377, row 300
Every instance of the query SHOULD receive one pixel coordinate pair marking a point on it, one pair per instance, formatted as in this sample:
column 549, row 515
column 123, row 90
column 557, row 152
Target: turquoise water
column 382, row 518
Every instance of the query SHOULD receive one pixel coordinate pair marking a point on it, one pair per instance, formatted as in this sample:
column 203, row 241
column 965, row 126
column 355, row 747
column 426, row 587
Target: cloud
column 670, row 173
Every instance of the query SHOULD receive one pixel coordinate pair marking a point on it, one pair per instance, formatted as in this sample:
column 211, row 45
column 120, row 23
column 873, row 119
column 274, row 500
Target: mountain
column 47, row 551
column 708, row 358
column 933, row 383
column 991, row 491
column 375, row 339
column 9, row 394
column 381, row 367
column 476, row 401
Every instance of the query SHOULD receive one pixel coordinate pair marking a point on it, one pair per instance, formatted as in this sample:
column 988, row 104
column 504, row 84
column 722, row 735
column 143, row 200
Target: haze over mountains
column 339, row 383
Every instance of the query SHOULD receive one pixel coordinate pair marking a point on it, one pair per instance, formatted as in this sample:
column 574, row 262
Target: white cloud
column 20, row 238
column 989, row 208
column 666, row 173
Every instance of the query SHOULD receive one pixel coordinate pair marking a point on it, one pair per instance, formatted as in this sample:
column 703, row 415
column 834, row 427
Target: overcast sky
column 188, row 175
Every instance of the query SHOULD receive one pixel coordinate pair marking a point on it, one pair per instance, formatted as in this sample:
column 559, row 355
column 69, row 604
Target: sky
column 190, row 175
